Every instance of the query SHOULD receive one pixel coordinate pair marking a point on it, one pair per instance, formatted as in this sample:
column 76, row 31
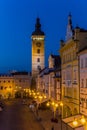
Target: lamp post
column 61, row 104
column 54, row 106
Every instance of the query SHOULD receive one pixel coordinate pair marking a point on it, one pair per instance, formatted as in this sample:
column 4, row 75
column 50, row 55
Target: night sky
column 17, row 22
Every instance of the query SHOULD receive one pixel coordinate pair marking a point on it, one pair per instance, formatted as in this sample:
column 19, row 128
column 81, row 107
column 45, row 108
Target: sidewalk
column 45, row 120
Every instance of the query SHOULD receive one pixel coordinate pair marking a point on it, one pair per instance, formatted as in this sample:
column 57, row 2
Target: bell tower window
column 38, row 51
column 38, row 59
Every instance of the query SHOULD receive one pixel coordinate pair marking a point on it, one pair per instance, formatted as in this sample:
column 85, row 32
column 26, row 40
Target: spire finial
column 38, row 25
column 70, row 19
column 69, row 32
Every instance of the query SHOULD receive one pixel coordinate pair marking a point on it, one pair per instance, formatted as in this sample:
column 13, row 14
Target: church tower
column 38, row 49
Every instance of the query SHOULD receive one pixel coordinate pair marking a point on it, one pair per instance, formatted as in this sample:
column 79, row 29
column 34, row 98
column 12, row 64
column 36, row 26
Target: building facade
column 48, row 80
column 83, row 80
column 38, row 49
column 15, row 85
column 70, row 68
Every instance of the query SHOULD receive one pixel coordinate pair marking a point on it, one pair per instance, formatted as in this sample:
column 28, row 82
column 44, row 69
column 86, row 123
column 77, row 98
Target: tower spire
column 37, row 25
column 38, row 30
column 69, row 32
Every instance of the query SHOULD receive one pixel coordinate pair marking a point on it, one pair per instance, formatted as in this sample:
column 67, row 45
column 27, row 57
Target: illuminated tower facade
column 38, row 49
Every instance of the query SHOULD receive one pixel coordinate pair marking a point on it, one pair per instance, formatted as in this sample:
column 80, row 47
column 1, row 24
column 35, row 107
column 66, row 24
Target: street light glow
column 75, row 122
column 83, row 120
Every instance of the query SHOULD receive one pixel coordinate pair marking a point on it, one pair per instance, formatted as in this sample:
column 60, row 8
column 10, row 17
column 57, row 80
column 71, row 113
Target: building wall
column 10, row 84
column 7, row 86
column 83, row 82
column 70, row 81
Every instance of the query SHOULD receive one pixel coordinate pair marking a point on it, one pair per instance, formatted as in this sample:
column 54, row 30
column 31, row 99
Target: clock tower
column 38, row 51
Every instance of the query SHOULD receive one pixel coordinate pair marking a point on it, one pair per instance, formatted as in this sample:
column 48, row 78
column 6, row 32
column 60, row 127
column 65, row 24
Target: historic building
column 76, row 39
column 38, row 49
column 83, row 80
column 15, row 84
column 48, row 80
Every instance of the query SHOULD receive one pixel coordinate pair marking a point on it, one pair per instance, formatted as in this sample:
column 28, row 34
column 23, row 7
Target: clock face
column 38, row 44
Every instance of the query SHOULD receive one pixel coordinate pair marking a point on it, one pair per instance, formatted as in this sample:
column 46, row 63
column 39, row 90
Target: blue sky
column 17, row 22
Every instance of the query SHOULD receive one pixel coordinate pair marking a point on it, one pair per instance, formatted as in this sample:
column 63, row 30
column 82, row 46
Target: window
column 1, row 87
column 19, row 80
column 38, row 59
column 81, row 63
column 86, row 62
column 82, row 84
column 38, row 67
column 86, row 83
column 38, row 51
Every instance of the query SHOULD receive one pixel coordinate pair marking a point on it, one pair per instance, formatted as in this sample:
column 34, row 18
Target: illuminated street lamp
column 54, row 105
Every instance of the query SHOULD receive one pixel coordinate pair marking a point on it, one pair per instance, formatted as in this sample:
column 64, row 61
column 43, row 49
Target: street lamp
column 54, row 106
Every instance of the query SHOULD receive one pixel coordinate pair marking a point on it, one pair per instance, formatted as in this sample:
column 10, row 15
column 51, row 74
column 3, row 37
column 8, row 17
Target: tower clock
column 38, row 49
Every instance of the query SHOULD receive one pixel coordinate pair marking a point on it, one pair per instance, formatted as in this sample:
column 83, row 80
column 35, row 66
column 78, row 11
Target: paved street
column 17, row 116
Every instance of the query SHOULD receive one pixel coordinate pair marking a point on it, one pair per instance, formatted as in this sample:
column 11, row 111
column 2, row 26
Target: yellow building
column 38, row 51
column 15, row 84
column 6, row 86
column 70, row 81
column 75, row 40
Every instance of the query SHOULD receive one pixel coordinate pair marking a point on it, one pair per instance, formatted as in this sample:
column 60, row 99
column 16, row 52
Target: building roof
column 20, row 73
column 5, row 75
